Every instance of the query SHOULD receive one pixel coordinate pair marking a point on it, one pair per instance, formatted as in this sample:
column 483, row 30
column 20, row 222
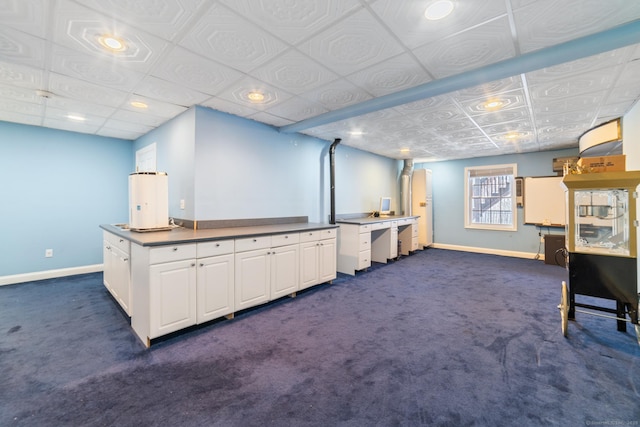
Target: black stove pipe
column 332, row 178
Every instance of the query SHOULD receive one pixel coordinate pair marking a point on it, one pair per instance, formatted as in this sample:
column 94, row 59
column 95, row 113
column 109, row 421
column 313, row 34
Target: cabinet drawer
column 380, row 225
column 285, row 239
column 309, row 236
column 365, row 228
column 364, row 260
column 221, row 247
column 330, row 233
column 364, row 241
column 118, row 242
column 252, row 243
column 394, row 224
column 163, row 254
column 414, row 231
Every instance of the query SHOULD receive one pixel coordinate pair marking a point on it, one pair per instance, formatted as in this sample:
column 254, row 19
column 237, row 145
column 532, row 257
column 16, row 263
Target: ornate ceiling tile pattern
column 311, row 58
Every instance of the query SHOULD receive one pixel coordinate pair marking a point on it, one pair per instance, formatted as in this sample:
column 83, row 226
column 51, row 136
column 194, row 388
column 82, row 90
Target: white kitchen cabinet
column 164, row 289
column 317, row 257
column 215, row 280
column 266, row 268
column 172, row 296
column 117, row 273
column 354, row 248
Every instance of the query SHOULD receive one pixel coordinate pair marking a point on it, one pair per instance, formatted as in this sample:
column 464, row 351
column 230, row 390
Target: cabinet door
column 327, row 260
column 172, row 296
column 108, row 259
column 309, row 253
column 252, row 278
column 285, row 270
column 215, row 297
column 121, row 279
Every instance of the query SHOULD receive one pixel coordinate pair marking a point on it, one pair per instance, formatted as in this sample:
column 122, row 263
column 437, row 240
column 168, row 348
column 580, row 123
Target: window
column 490, row 197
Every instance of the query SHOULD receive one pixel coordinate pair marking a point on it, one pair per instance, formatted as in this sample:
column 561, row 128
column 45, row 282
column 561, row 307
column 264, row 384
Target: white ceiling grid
column 312, row 57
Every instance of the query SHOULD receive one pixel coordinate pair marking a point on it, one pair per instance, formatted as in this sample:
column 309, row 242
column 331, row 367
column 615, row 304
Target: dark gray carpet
column 439, row 338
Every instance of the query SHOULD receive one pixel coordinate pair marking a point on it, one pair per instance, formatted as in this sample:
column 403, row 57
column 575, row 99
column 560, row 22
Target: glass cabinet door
column 602, row 221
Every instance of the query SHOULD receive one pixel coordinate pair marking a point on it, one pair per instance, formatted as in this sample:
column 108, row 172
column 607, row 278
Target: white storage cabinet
column 117, row 271
column 317, row 257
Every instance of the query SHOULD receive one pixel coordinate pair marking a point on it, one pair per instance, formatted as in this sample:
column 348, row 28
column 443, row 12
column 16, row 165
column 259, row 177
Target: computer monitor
column 385, row 205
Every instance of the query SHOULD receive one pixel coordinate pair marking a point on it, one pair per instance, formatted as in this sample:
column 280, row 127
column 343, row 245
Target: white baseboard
column 49, row 274
column 515, row 254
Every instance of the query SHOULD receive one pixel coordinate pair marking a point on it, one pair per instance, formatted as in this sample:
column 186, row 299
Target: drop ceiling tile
column 20, row 48
column 17, row 117
column 162, row 90
column 503, row 116
column 196, row 72
column 163, row 18
column 294, row 72
column 224, row 36
column 29, row 16
column 70, row 126
column 21, row 75
column 337, row 94
column 119, row 133
column 296, row 109
column 480, row 46
column 510, row 100
column 79, row 106
column 270, row 119
column 21, row 94
column 71, row 88
column 93, row 69
column 80, row 29
column 229, row 107
column 292, row 21
column 549, row 22
column 407, row 21
column 63, row 115
column 10, row 106
column 489, row 90
column 127, row 126
column 392, row 75
column 138, row 117
column 352, row 44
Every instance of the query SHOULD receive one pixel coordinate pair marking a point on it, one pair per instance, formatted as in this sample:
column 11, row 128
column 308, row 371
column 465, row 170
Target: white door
column 309, row 253
column 252, row 278
column 285, row 273
column 327, row 260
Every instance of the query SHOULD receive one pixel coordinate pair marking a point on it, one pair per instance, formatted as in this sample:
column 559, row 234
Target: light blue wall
column 448, row 202
column 227, row 167
column 175, row 147
column 57, row 187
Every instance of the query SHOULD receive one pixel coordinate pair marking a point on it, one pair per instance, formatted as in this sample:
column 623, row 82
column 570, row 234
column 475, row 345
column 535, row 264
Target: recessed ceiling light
column 493, row 105
column 356, row 133
column 76, row 117
column 511, row 136
column 255, row 97
column 138, row 104
column 438, row 9
column 405, row 150
column 112, row 43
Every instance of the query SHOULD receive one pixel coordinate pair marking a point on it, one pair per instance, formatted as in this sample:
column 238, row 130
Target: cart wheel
column 564, row 308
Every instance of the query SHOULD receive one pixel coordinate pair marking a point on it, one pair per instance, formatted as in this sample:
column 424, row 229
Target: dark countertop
column 374, row 219
column 179, row 235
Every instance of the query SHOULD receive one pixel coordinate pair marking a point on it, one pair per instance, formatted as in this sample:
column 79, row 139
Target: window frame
column 491, row 170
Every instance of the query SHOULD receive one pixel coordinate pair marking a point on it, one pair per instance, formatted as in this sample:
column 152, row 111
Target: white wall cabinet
column 117, row 271
column 317, row 257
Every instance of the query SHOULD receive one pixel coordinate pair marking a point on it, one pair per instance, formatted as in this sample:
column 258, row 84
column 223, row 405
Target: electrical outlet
column 48, row 253
column 182, row 204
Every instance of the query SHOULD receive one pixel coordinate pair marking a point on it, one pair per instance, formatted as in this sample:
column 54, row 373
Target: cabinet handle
column 175, row 249
column 255, row 240
column 217, row 245
column 109, row 247
column 201, row 265
column 286, row 237
column 125, row 259
column 121, row 240
column 193, row 264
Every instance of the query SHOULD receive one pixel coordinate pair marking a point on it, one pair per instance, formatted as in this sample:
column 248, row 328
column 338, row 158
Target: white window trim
column 467, row 206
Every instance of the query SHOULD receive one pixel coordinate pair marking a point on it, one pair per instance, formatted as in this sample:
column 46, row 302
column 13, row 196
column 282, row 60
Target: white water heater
column 148, row 201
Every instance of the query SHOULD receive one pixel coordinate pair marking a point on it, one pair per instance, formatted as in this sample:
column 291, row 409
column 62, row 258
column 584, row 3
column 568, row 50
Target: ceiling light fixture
column 255, row 97
column 76, row 117
column 112, row 43
column 356, row 133
column 493, row 105
column 138, row 104
column 438, row 10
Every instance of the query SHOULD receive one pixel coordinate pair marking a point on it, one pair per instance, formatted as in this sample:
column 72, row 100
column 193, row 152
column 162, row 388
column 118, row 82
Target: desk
column 363, row 240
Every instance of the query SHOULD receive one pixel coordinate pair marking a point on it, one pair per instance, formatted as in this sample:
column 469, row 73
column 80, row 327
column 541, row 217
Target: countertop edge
column 180, row 235
column 371, row 220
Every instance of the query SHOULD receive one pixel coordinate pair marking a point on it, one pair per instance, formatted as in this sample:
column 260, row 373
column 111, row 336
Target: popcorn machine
column 602, row 223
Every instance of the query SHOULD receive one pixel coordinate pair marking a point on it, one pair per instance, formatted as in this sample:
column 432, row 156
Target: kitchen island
column 173, row 279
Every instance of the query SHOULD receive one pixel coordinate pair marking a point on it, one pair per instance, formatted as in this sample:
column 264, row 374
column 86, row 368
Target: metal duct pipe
column 332, row 178
column 405, row 187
